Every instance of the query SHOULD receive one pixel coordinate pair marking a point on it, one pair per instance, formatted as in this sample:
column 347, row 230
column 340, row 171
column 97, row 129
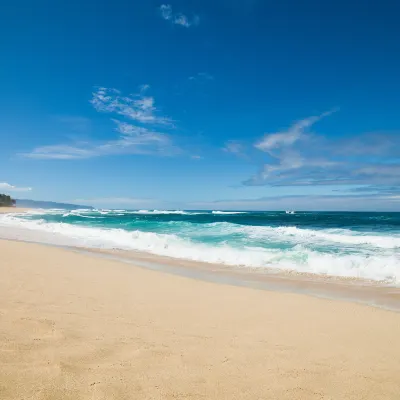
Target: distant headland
column 26, row 203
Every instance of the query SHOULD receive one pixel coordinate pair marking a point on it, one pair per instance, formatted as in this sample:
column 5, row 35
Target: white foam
column 161, row 212
column 292, row 234
column 342, row 236
column 300, row 258
column 228, row 212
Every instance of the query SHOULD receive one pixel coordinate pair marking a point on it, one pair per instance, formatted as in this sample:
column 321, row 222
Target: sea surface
column 344, row 244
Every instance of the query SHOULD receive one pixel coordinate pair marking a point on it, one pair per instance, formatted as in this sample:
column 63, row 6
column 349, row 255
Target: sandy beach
column 7, row 210
column 200, row 200
column 75, row 326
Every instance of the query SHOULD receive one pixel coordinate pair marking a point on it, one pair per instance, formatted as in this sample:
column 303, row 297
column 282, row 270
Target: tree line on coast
column 6, row 201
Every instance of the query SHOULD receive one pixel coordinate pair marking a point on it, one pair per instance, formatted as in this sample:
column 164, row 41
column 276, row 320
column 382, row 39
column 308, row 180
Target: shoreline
column 378, row 294
column 352, row 290
column 371, row 293
column 315, row 269
column 82, row 326
column 59, row 240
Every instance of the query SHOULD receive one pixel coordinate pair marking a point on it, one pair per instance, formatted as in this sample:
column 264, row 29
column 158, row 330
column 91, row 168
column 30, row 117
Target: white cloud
column 11, row 188
column 286, row 138
column 166, row 11
column 60, row 152
column 179, row 18
column 182, row 20
column 133, row 134
column 137, row 107
column 285, row 157
column 142, row 137
column 296, row 157
column 131, row 139
column 144, row 88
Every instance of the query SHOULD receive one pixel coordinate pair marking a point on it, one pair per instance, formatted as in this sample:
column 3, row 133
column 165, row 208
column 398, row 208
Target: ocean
column 343, row 244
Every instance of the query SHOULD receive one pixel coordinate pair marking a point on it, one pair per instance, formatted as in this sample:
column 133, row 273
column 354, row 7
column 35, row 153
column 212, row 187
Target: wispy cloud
column 131, row 139
column 4, row 186
column 234, row 147
column 177, row 18
column 61, row 152
column 284, row 157
column 140, row 137
column 138, row 107
column 144, row 88
column 166, row 11
column 290, row 136
column 201, row 77
column 296, row 157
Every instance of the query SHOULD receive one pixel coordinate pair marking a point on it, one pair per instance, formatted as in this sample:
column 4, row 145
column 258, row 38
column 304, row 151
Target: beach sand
column 75, row 326
column 7, row 210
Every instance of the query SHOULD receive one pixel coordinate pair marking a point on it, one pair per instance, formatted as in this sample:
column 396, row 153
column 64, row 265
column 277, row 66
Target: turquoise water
column 364, row 245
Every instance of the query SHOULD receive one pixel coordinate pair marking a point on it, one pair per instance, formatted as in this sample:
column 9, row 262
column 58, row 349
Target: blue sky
column 202, row 104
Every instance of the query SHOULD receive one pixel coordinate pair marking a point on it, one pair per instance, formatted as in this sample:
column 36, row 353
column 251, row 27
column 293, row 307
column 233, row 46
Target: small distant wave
column 112, row 212
column 166, row 212
column 78, row 213
column 228, row 212
column 38, row 211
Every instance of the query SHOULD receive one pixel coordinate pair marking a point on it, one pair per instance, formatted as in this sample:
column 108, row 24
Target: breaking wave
column 337, row 252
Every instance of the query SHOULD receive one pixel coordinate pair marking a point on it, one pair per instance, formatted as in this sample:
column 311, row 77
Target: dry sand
column 74, row 326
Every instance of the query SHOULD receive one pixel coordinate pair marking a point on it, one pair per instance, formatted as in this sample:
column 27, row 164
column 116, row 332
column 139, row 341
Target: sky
column 202, row 104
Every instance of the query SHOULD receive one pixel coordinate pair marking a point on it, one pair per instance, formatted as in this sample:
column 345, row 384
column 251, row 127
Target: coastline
column 79, row 326
column 371, row 293
column 356, row 290
column 351, row 290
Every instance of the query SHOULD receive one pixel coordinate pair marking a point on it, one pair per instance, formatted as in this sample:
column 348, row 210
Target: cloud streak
column 142, row 136
column 349, row 202
column 234, row 147
column 131, row 140
column 289, row 137
column 4, row 186
column 297, row 157
column 177, row 18
column 137, row 107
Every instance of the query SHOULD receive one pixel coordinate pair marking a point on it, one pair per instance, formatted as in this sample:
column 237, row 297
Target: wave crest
column 299, row 257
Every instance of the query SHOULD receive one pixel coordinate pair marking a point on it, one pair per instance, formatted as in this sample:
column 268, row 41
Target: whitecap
column 382, row 264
